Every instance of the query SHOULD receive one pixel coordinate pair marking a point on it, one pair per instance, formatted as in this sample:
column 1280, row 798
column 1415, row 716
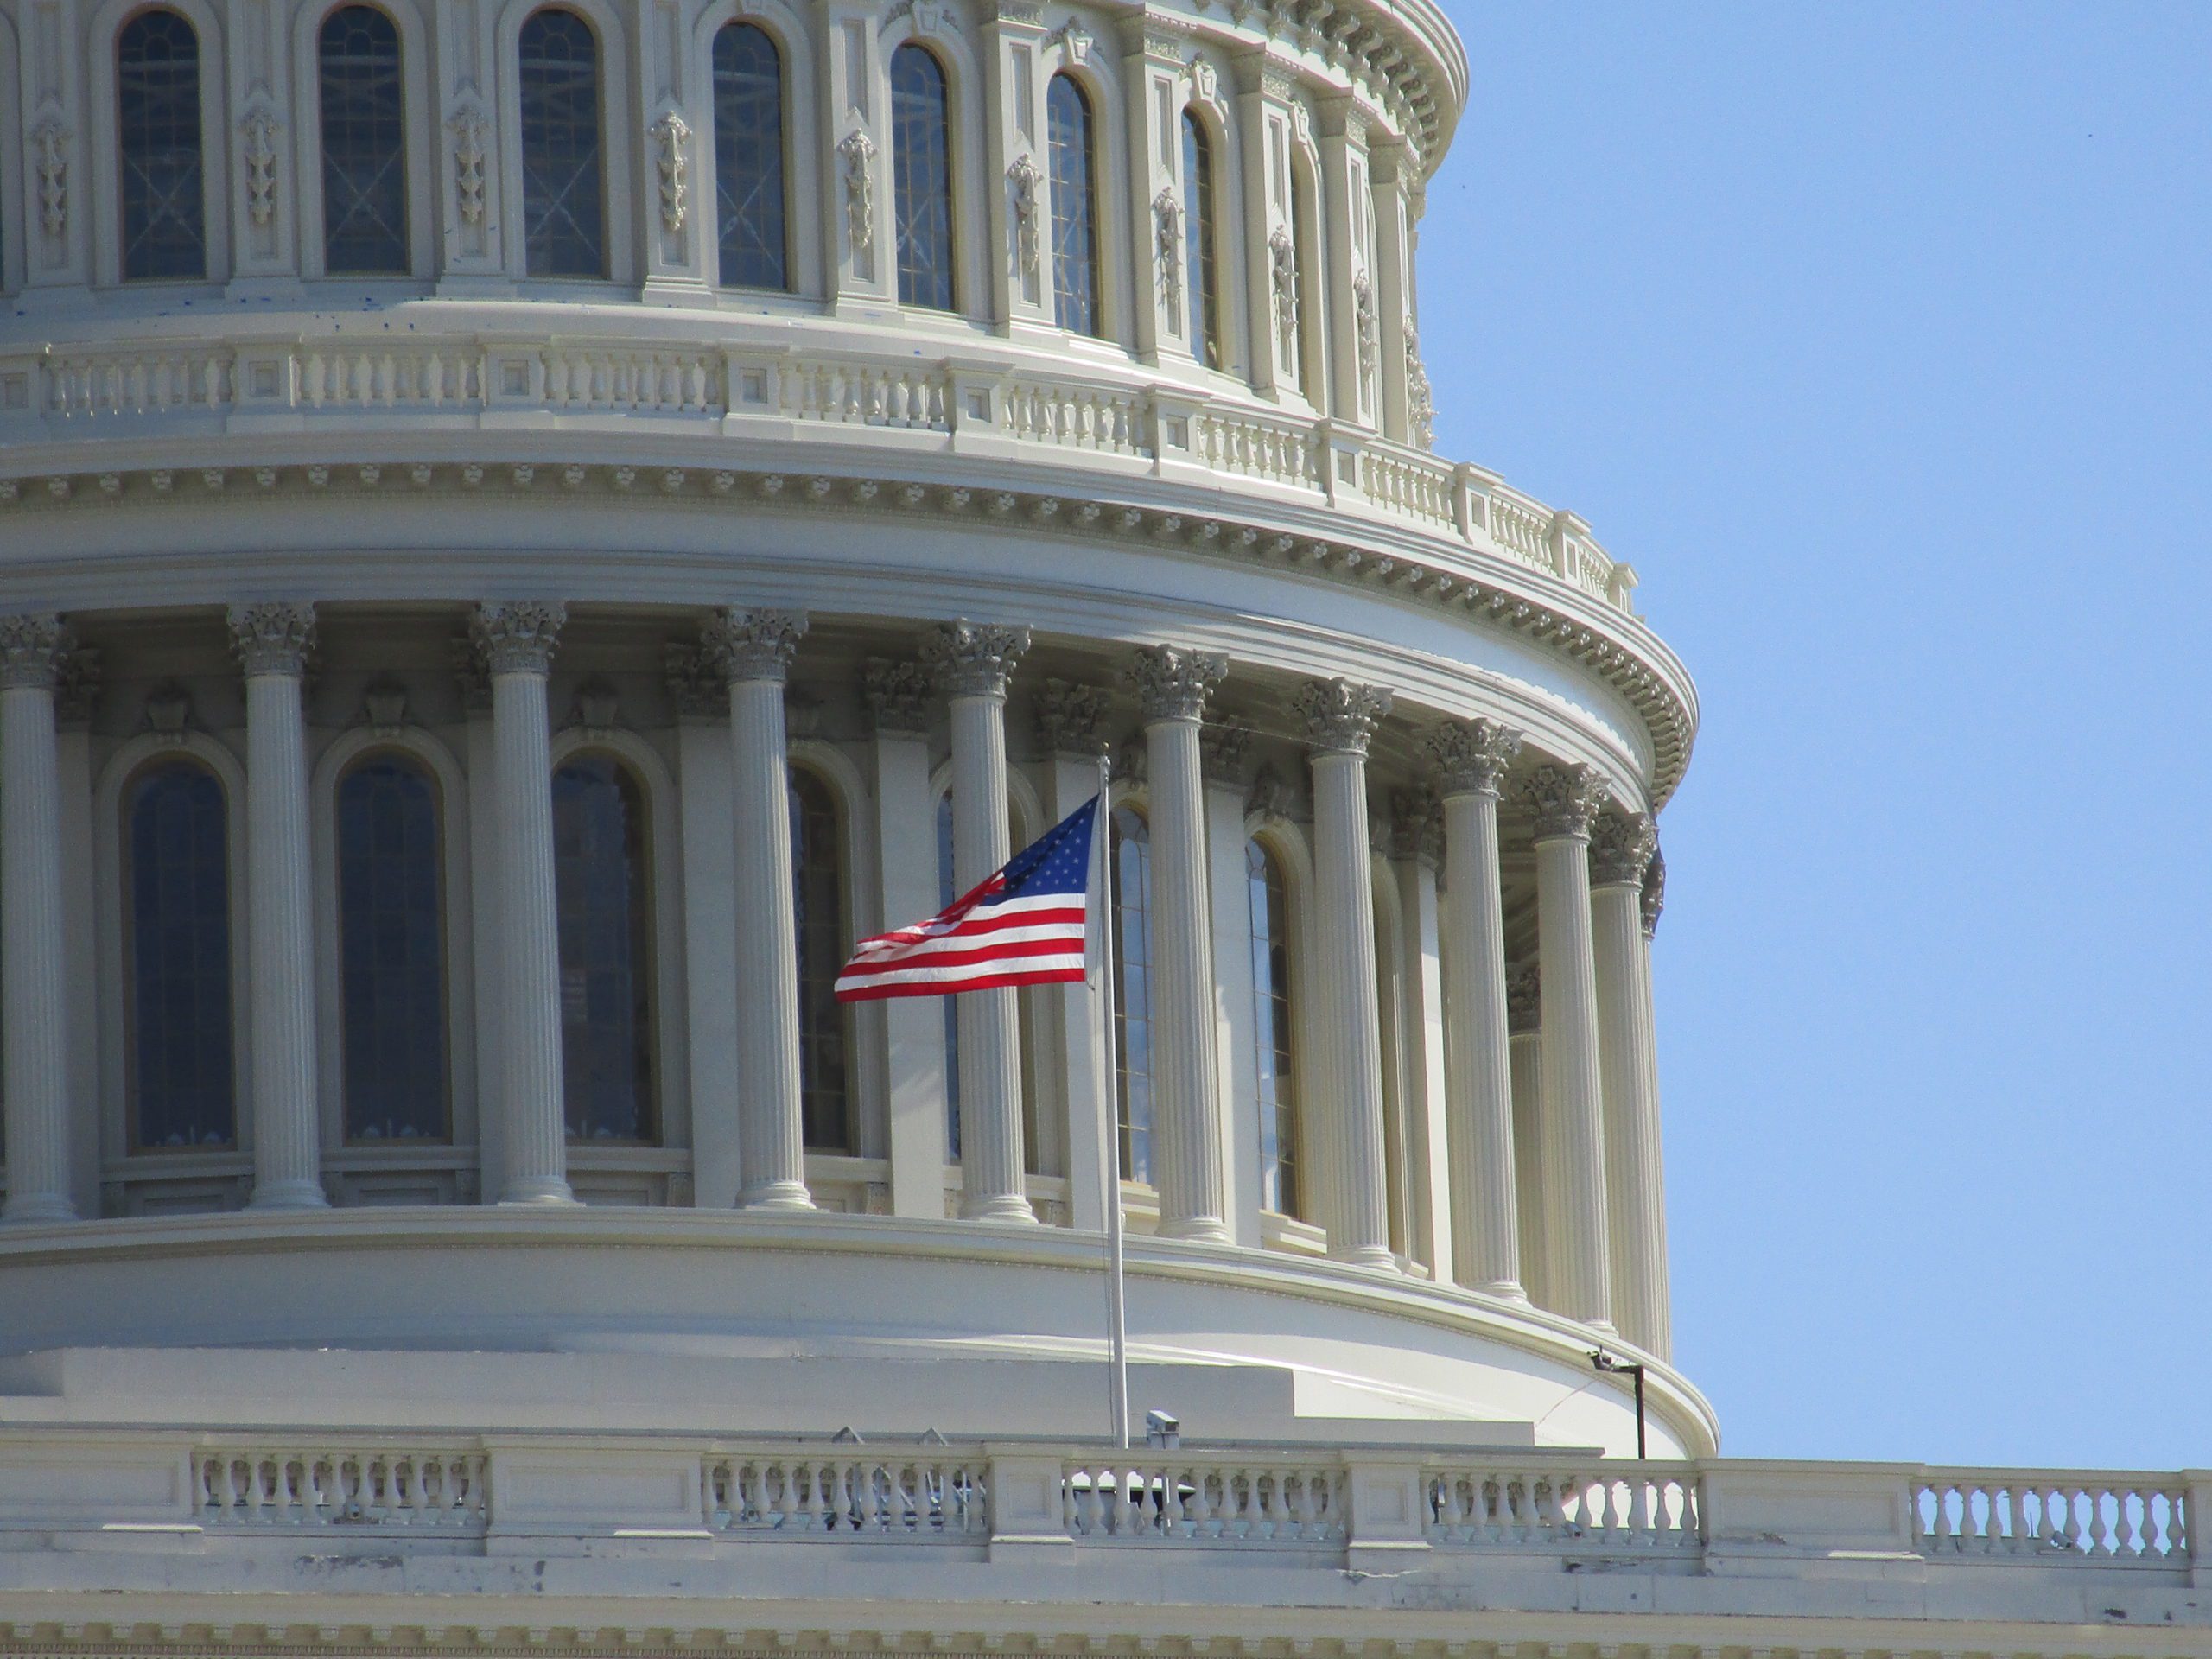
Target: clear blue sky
column 1879, row 338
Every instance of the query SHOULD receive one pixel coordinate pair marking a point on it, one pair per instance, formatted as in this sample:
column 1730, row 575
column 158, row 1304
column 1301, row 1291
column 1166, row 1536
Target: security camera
column 1162, row 1429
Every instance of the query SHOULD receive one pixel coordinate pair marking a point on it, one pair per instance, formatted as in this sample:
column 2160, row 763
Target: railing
column 59, row 391
column 423, row 1491
column 2051, row 1516
column 1204, row 1502
column 1596, row 1505
column 846, row 1495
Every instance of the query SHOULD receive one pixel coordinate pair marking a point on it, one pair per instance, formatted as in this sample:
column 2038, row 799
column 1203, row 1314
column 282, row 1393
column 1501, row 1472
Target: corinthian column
column 1340, row 719
column 753, row 649
column 516, row 639
column 272, row 642
column 1661, row 1341
column 1621, row 848
column 1524, row 1037
column 1172, row 684
column 972, row 662
column 34, row 1026
column 1471, row 760
column 1565, row 800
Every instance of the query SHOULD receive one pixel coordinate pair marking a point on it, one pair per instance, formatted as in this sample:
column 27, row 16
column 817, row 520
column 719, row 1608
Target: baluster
column 2058, row 1518
column 1640, row 1530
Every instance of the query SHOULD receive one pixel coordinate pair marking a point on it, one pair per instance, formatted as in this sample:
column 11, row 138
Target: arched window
column 392, row 950
column 157, row 114
column 1273, row 1062
column 1200, row 277
column 749, row 157
column 1075, row 207
column 364, row 145
column 564, row 215
column 1133, row 989
column 921, row 158
column 176, row 880
column 603, row 886
column 819, row 897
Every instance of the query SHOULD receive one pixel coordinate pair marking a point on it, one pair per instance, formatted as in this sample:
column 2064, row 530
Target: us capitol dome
column 526, row 530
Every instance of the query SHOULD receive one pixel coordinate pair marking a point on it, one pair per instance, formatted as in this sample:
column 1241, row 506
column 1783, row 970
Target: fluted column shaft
column 34, row 1027
column 272, row 641
column 1173, row 684
column 753, row 648
column 1620, row 854
column 1341, row 719
column 1565, row 800
column 973, row 662
column 1479, row 1086
column 518, row 639
column 1525, row 1041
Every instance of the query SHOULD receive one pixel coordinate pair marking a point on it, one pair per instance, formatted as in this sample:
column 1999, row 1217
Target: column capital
column 974, row 660
column 517, row 636
column 1565, row 801
column 1471, row 755
column 32, row 649
column 1654, row 887
column 273, row 637
column 897, row 694
column 1340, row 716
column 1524, row 1000
column 744, row 646
column 697, row 691
column 1172, row 681
column 1621, row 847
column 1070, row 719
column 1225, row 752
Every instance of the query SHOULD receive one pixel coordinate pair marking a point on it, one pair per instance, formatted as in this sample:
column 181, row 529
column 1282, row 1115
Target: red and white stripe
column 977, row 944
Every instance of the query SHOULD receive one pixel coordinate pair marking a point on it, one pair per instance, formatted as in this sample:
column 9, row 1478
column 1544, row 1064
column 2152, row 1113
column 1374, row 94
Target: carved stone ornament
column 671, row 139
column 517, row 636
column 898, row 695
column 1168, row 238
column 1078, row 40
column 274, row 638
column 1417, row 824
column 744, row 646
column 931, row 17
column 697, row 690
column 1621, row 846
column 472, row 675
column 470, row 127
column 168, row 711
column 1654, row 890
column 77, row 692
column 1368, row 323
column 856, row 154
column 1471, row 755
column 1070, row 719
column 50, row 146
column 1340, row 716
column 1226, row 753
column 259, row 131
column 974, row 660
column 1205, row 82
column 1023, row 179
column 1172, row 682
column 1420, row 397
column 1524, row 1000
column 597, row 702
column 31, row 651
column 1133, row 760
column 1282, row 265
column 1565, row 801
column 383, row 705
column 1271, row 798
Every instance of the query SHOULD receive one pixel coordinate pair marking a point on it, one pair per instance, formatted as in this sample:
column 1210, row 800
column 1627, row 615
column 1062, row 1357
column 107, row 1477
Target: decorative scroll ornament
column 931, row 17
column 31, row 651
column 1024, row 178
column 1226, row 751
column 77, row 691
column 693, row 686
column 168, row 711
column 275, row 637
column 517, row 636
column 1524, row 1000
column 51, row 139
column 1205, row 82
column 470, row 128
column 742, row 646
column 1420, row 399
column 1340, row 716
column 1621, row 846
column 1070, row 719
column 1654, row 890
column 1271, row 798
column 1283, row 262
column 856, row 151
column 898, row 695
column 671, row 136
column 1417, row 824
column 1370, row 327
column 384, row 704
column 1167, row 237
column 1565, row 801
column 1172, row 682
column 259, row 130
column 1471, row 755
column 974, row 660
column 1077, row 38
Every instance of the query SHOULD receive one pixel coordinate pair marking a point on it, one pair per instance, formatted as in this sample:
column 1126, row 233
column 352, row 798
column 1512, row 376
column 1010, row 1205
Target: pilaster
column 1152, row 79
column 707, row 803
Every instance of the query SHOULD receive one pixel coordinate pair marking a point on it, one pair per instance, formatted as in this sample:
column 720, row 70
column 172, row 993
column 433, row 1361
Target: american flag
column 1023, row 924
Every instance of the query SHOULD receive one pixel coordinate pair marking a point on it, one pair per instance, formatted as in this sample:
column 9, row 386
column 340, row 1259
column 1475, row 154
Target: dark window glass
column 364, row 145
column 921, row 156
column 157, row 106
column 749, row 157
column 177, row 883
column 819, row 897
column 1133, row 989
column 1272, row 1060
column 604, row 895
column 946, row 892
column 564, row 221
column 1075, row 207
column 392, row 951
column 1200, row 277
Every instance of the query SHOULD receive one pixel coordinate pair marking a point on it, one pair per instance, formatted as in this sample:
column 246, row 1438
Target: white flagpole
column 1117, row 1336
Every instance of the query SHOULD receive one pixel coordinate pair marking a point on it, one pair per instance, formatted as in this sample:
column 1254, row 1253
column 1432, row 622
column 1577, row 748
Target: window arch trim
column 219, row 213
column 617, row 117
column 423, row 142
column 803, row 184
